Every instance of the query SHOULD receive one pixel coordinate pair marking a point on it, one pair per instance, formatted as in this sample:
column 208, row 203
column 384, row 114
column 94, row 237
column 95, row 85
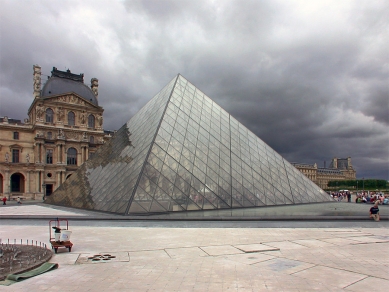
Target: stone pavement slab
column 185, row 252
column 336, row 277
column 284, row 265
column 249, row 259
column 339, row 241
column 256, row 247
column 368, row 284
column 313, row 243
column 284, row 245
column 220, row 250
column 368, row 239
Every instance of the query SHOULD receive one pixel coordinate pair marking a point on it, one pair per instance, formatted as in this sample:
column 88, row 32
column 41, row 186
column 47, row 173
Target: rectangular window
column 49, row 156
column 16, row 135
column 15, row 155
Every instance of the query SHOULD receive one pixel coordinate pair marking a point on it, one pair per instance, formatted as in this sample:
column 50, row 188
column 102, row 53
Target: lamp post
column 363, row 184
column 44, row 191
column 357, row 187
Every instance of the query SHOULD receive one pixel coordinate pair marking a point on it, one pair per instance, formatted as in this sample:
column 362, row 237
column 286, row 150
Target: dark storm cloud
column 310, row 78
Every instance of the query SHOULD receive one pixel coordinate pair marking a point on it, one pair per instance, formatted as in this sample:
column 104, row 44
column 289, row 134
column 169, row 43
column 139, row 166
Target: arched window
column 72, row 156
column 91, row 121
column 49, row 115
column 71, row 118
column 17, row 183
column 91, row 139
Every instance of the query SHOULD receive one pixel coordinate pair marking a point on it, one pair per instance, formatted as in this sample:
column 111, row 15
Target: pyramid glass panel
column 183, row 152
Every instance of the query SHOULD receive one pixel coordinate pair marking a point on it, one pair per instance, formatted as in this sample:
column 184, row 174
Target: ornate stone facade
column 340, row 169
column 64, row 128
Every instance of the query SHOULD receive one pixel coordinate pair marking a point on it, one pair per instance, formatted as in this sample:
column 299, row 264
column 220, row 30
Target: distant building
column 63, row 129
column 339, row 169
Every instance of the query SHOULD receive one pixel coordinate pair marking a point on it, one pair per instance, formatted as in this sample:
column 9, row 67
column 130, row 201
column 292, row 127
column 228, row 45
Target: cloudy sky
column 310, row 78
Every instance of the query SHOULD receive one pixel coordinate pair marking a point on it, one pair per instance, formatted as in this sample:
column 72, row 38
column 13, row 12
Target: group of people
column 339, row 196
column 372, row 198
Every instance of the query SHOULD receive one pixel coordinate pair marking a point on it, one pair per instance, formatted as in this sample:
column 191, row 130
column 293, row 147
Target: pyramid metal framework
column 183, row 152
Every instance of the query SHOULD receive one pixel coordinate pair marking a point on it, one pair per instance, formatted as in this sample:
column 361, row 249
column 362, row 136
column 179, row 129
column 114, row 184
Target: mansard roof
column 62, row 82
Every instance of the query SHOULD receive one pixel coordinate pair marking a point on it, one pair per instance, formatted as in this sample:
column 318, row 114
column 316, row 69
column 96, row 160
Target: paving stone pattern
column 213, row 259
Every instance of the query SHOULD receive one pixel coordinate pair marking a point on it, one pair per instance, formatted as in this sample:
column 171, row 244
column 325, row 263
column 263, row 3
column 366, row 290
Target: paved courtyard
column 206, row 259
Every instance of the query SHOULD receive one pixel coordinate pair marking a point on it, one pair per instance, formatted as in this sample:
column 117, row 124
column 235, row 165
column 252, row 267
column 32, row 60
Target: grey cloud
column 311, row 83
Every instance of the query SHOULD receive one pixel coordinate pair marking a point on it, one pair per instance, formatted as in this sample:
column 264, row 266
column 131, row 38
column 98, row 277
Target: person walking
column 4, row 200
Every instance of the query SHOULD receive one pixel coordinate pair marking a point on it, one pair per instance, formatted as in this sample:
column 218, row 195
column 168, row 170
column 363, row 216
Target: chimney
column 335, row 163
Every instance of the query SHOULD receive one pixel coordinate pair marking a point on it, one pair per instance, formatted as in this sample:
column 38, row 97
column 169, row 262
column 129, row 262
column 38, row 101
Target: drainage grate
column 103, row 258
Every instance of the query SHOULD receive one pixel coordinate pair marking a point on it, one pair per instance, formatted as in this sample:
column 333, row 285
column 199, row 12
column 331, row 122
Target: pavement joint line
column 373, row 242
column 300, row 243
column 314, row 265
column 204, row 250
column 356, row 282
column 258, row 251
column 167, row 253
column 320, row 239
column 263, row 261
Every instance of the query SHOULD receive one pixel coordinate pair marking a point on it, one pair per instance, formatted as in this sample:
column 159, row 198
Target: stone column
column 28, row 182
column 82, row 155
column 40, row 181
column 37, row 181
column 8, row 183
column 43, row 154
column 58, row 153
column 58, row 179
column 63, row 154
column 39, row 152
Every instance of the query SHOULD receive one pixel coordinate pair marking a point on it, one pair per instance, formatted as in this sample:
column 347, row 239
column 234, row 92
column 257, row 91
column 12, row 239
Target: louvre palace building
column 63, row 129
column 338, row 170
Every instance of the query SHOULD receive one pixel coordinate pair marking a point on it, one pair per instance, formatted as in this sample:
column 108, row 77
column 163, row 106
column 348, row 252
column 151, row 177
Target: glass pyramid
column 183, row 152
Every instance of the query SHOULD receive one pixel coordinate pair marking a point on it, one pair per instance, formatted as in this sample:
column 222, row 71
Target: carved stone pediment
column 70, row 98
column 72, row 135
column 15, row 146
